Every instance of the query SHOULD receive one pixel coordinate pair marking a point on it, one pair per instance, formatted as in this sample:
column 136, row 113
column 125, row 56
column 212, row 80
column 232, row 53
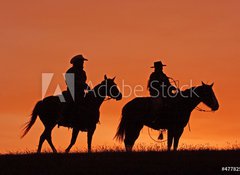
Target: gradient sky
column 198, row 40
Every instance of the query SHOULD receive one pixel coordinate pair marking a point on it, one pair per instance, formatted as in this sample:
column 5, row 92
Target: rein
column 108, row 98
column 203, row 110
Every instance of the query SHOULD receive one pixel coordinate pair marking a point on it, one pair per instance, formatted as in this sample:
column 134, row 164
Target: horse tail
column 29, row 124
column 121, row 127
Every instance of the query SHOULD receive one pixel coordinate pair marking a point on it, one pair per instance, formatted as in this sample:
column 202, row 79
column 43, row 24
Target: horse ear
column 203, row 83
column 211, row 85
column 105, row 77
column 113, row 78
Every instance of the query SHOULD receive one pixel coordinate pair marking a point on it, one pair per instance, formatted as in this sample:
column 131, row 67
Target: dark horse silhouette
column 174, row 116
column 50, row 110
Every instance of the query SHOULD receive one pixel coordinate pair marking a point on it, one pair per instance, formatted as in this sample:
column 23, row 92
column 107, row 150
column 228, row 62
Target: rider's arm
column 84, row 76
column 150, row 80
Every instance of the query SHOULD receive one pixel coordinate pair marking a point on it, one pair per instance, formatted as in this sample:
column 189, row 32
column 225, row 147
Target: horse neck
column 193, row 98
column 97, row 95
column 190, row 103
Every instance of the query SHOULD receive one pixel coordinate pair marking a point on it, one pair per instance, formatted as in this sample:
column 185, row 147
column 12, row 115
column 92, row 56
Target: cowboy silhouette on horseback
column 76, row 85
column 137, row 113
column 159, row 84
column 160, row 89
column 79, row 110
column 76, row 79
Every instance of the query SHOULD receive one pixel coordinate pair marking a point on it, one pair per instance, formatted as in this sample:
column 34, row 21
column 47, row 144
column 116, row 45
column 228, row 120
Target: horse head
column 208, row 97
column 111, row 88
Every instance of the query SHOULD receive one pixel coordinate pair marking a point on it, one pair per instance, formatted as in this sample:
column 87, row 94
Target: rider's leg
column 157, row 105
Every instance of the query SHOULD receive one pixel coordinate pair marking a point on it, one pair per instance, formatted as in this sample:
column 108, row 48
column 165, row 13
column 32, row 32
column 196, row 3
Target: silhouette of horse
column 50, row 110
column 174, row 115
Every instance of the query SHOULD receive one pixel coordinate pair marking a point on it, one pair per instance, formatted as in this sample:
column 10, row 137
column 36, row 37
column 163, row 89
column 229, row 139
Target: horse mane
column 187, row 92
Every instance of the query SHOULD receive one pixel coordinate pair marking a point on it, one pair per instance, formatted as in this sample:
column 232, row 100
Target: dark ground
column 181, row 162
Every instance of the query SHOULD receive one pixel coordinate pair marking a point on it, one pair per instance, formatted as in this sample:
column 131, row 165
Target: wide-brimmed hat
column 78, row 58
column 158, row 64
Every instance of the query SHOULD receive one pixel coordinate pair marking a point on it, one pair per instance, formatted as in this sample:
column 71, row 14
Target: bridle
column 203, row 110
column 107, row 98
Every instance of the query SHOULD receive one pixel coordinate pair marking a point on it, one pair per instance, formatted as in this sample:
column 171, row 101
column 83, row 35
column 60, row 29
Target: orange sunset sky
column 198, row 40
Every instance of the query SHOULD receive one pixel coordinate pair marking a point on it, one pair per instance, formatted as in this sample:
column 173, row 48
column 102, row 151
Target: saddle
column 161, row 109
column 77, row 114
column 159, row 105
column 67, row 96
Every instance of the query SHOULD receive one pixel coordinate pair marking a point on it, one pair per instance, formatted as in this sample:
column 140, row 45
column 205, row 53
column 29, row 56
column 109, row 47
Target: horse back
column 137, row 105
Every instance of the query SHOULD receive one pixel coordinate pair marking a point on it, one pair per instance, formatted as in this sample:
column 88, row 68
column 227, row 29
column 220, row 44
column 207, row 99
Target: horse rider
column 159, row 84
column 159, row 87
column 76, row 79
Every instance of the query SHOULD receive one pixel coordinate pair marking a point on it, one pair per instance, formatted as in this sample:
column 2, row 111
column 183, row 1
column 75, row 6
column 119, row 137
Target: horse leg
column 131, row 135
column 41, row 140
column 89, row 138
column 49, row 139
column 170, row 139
column 73, row 140
column 176, row 138
column 45, row 135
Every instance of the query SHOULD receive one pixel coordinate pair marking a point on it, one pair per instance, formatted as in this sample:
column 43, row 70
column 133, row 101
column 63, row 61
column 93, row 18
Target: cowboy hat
column 158, row 64
column 78, row 58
